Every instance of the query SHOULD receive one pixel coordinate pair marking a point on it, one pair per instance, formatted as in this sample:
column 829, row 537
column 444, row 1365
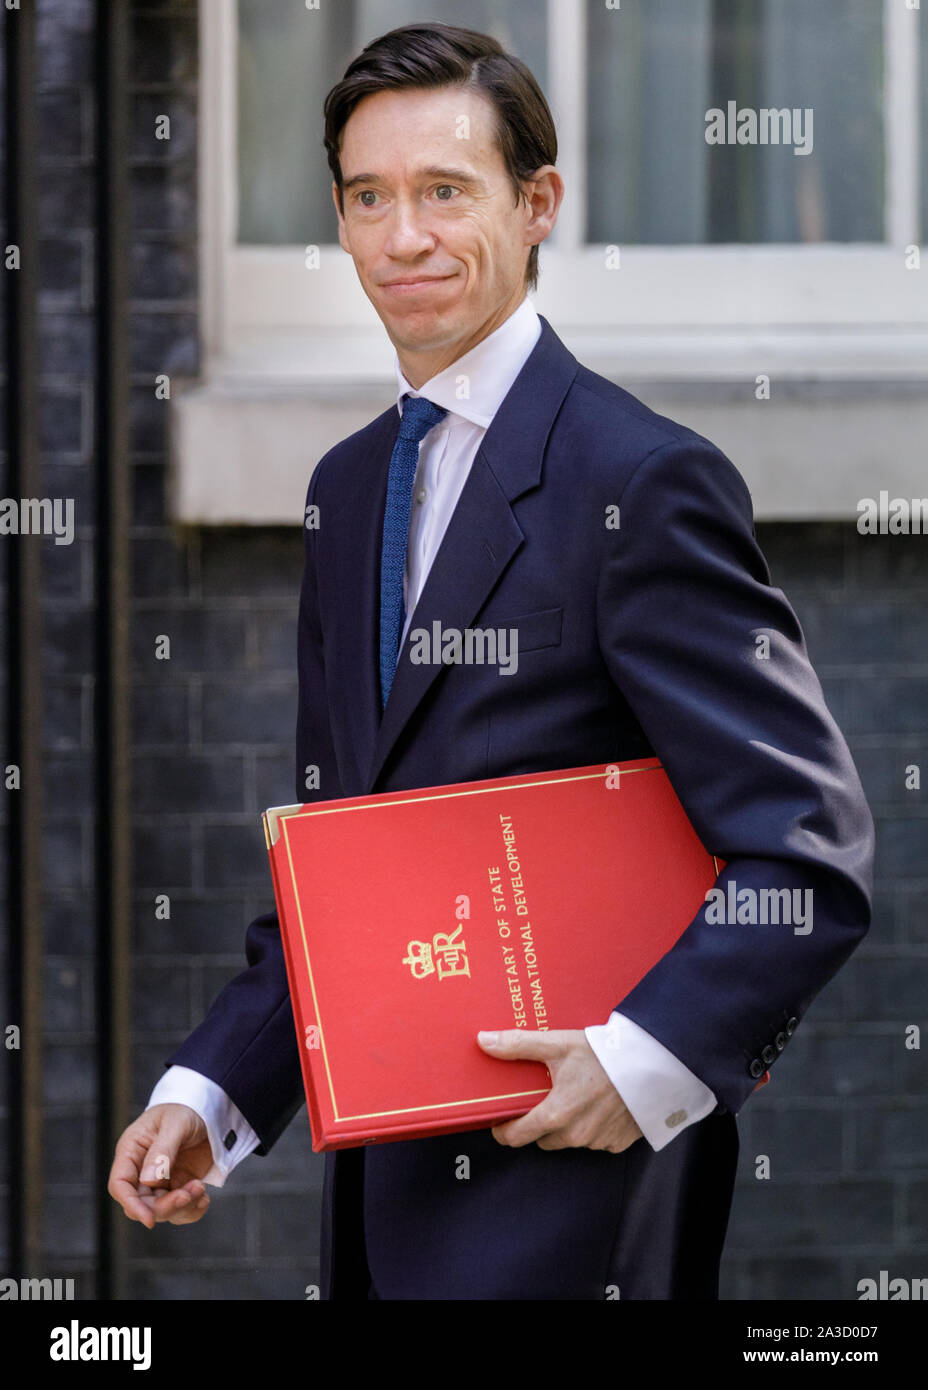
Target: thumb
column 162, row 1152
column 522, row 1042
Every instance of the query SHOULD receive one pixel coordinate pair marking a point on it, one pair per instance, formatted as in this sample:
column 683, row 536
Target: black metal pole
column 23, row 655
column 111, row 706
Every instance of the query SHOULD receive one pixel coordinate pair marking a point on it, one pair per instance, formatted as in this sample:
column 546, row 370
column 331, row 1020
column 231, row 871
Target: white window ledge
column 243, row 450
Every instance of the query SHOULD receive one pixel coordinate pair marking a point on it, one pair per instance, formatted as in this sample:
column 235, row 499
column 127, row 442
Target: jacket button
column 756, row 1068
column 768, row 1054
column 780, row 1041
column 791, row 1027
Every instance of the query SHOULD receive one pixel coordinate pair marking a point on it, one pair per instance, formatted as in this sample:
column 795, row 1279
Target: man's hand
column 583, row 1109
column 159, row 1163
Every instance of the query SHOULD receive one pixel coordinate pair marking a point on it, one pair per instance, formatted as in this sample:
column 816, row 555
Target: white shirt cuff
column 231, row 1137
column 662, row 1095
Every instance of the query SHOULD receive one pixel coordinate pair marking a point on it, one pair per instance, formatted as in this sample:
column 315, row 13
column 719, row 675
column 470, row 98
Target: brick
column 160, row 715
column 892, row 989
column 162, row 856
column 216, row 925
column 148, row 500
column 161, row 997
column 796, row 1142
column 65, row 272
column 864, row 631
column 164, row 343
column 62, row 724
column 148, row 422
column 64, row 859
column 878, row 703
column 62, row 419
column 219, row 1234
column 913, row 914
column 273, row 781
column 69, row 784
column 62, row 1007
column 161, row 202
column 159, row 567
column 163, row 50
column 809, row 556
column 288, row 1224
column 915, row 1227
column 148, row 1282
column 147, row 107
column 273, row 641
column 69, row 1073
column 253, row 562
column 163, row 270
column 166, row 782
column 68, row 1149
column 65, row 342
column 890, row 562
column 249, row 710
column 802, row 1277
column 852, row 1063
column 264, row 1281
column 70, row 478
column 63, row 121
column 67, row 641
column 883, row 773
column 70, row 924
column 235, row 855
column 69, row 1221
column 64, row 43
column 201, row 640
column 66, row 570
column 811, row 1215
column 900, row 844
column 64, row 199
column 893, row 1140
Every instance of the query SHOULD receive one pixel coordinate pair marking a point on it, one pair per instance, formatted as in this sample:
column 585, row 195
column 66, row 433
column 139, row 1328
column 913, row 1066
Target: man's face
column 431, row 220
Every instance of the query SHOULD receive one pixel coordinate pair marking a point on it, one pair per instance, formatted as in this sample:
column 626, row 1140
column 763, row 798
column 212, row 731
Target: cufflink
column 230, row 1139
column 675, row 1119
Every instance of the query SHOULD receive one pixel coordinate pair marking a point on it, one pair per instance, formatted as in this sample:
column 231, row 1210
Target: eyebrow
column 431, row 171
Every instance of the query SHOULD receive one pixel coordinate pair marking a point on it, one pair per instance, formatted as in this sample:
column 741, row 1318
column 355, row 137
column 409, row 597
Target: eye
column 445, row 187
column 366, row 193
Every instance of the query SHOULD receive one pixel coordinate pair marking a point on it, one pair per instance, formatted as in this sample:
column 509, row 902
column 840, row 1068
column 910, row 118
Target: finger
column 178, row 1207
column 522, row 1042
column 543, row 1119
column 172, row 1134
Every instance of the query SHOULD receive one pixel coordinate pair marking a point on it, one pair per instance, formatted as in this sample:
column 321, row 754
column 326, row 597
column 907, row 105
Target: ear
column 544, row 192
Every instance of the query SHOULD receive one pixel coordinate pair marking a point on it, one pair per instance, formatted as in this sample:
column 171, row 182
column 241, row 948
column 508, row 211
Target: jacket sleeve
column 711, row 658
column 247, row 1042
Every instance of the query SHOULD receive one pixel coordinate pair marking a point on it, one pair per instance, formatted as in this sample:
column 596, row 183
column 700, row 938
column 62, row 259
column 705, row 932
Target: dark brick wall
column 842, row 1122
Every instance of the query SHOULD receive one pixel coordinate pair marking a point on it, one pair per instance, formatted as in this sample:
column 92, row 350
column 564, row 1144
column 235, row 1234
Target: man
column 660, row 636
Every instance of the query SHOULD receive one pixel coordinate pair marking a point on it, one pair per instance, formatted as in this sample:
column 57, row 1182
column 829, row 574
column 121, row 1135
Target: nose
column 408, row 235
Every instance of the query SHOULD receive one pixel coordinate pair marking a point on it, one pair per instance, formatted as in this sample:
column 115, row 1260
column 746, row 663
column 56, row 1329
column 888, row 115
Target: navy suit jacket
column 632, row 642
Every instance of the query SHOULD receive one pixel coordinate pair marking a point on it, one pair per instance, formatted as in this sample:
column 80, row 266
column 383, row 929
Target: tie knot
column 419, row 415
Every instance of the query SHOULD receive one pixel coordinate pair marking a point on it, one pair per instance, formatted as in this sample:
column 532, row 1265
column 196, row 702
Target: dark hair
column 441, row 55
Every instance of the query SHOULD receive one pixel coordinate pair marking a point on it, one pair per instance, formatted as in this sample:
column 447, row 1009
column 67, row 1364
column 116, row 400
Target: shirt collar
column 491, row 366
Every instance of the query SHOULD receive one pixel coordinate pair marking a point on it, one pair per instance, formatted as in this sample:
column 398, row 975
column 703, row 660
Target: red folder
column 413, row 919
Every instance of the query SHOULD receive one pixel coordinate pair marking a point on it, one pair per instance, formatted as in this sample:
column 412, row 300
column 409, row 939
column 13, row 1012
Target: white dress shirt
column 663, row 1095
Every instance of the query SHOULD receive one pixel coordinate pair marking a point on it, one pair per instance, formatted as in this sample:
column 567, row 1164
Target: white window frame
column 308, row 339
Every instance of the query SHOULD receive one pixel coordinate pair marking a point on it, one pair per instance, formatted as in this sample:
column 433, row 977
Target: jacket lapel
column 481, row 539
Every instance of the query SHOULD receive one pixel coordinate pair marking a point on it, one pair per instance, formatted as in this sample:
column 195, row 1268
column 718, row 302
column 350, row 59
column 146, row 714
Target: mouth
column 414, row 284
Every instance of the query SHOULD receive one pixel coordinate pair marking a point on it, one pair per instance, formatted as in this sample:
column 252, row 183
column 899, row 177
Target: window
column 674, row 258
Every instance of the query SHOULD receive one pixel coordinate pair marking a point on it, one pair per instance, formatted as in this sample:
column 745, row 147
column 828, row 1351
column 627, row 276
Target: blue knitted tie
column 419, row 415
